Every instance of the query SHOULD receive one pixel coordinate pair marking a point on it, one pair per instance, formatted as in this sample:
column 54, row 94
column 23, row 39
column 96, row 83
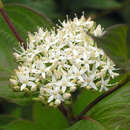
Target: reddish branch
column 98, row 99
column 64, row 111
column 12, row 28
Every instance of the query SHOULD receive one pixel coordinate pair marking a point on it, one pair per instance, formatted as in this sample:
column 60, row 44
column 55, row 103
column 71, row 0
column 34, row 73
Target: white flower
column 104, row 84
column 24, row 79
column 58, row 62
column 89, row 80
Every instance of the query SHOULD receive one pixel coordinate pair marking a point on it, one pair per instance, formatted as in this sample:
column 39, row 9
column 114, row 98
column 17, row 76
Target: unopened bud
column 16, row 88
column 13, row 81
column 88, row 87
column 66, row 95
column 57, row 102
column 72, row 89
column 34, row 88
column 42, row 99
column 26, row 90
column 74, row 81
column 38, row 83
column 79, row 82
column 51, row 104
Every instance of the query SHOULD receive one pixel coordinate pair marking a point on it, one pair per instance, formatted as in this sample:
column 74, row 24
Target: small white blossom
column 58, row 62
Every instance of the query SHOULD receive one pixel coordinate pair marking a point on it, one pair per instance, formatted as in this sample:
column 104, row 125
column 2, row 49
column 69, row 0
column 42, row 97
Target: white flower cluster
column 58, row 62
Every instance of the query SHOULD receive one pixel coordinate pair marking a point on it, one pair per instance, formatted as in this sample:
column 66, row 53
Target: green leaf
column 48, row 118
column 87, row 125
column 6, row 119
column 114, row 44
column 21, row 125
column 97, row 4
column 38, row 117
column 83, row 99
column 25, row 20
column 126, row 15
column 113, row 111
column 39, row 5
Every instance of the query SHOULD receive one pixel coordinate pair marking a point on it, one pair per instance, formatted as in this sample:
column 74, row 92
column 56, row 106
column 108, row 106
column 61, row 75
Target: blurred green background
column 105, row 12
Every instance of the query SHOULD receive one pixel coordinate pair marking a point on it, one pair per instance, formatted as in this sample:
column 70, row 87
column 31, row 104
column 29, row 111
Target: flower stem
column 124, row 81
column 64, row 111
column 11, row 26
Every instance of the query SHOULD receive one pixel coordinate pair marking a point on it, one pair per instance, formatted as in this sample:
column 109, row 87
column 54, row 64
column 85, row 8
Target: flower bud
column 13, row 81
column 42, row 99
column 51, row 104
column 72, row 89
column 66, row 95
column 57, row 102
column 34, row 88
column 88, row 87
column 16, row 88
column 26, row 90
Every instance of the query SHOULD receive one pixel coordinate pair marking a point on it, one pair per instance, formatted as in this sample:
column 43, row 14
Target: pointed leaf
column 113, row 111
column 114, row 44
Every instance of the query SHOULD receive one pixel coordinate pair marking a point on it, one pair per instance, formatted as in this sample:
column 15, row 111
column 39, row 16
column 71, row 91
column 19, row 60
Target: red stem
column 63, row 110
column 98, row 99
column 12, row 28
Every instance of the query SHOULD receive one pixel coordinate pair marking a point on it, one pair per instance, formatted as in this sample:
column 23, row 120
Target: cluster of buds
column 58, row 62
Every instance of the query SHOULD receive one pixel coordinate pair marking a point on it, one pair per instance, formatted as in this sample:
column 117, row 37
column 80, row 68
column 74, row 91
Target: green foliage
column 48, row 118
column 21, row 125
column 40, row 5
column 42, row 119
column 83, row 99
column 113, row 111
column 6, row 119
column 97, row 4
column 87, row 125
column 25, row 20
column 114, row 43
